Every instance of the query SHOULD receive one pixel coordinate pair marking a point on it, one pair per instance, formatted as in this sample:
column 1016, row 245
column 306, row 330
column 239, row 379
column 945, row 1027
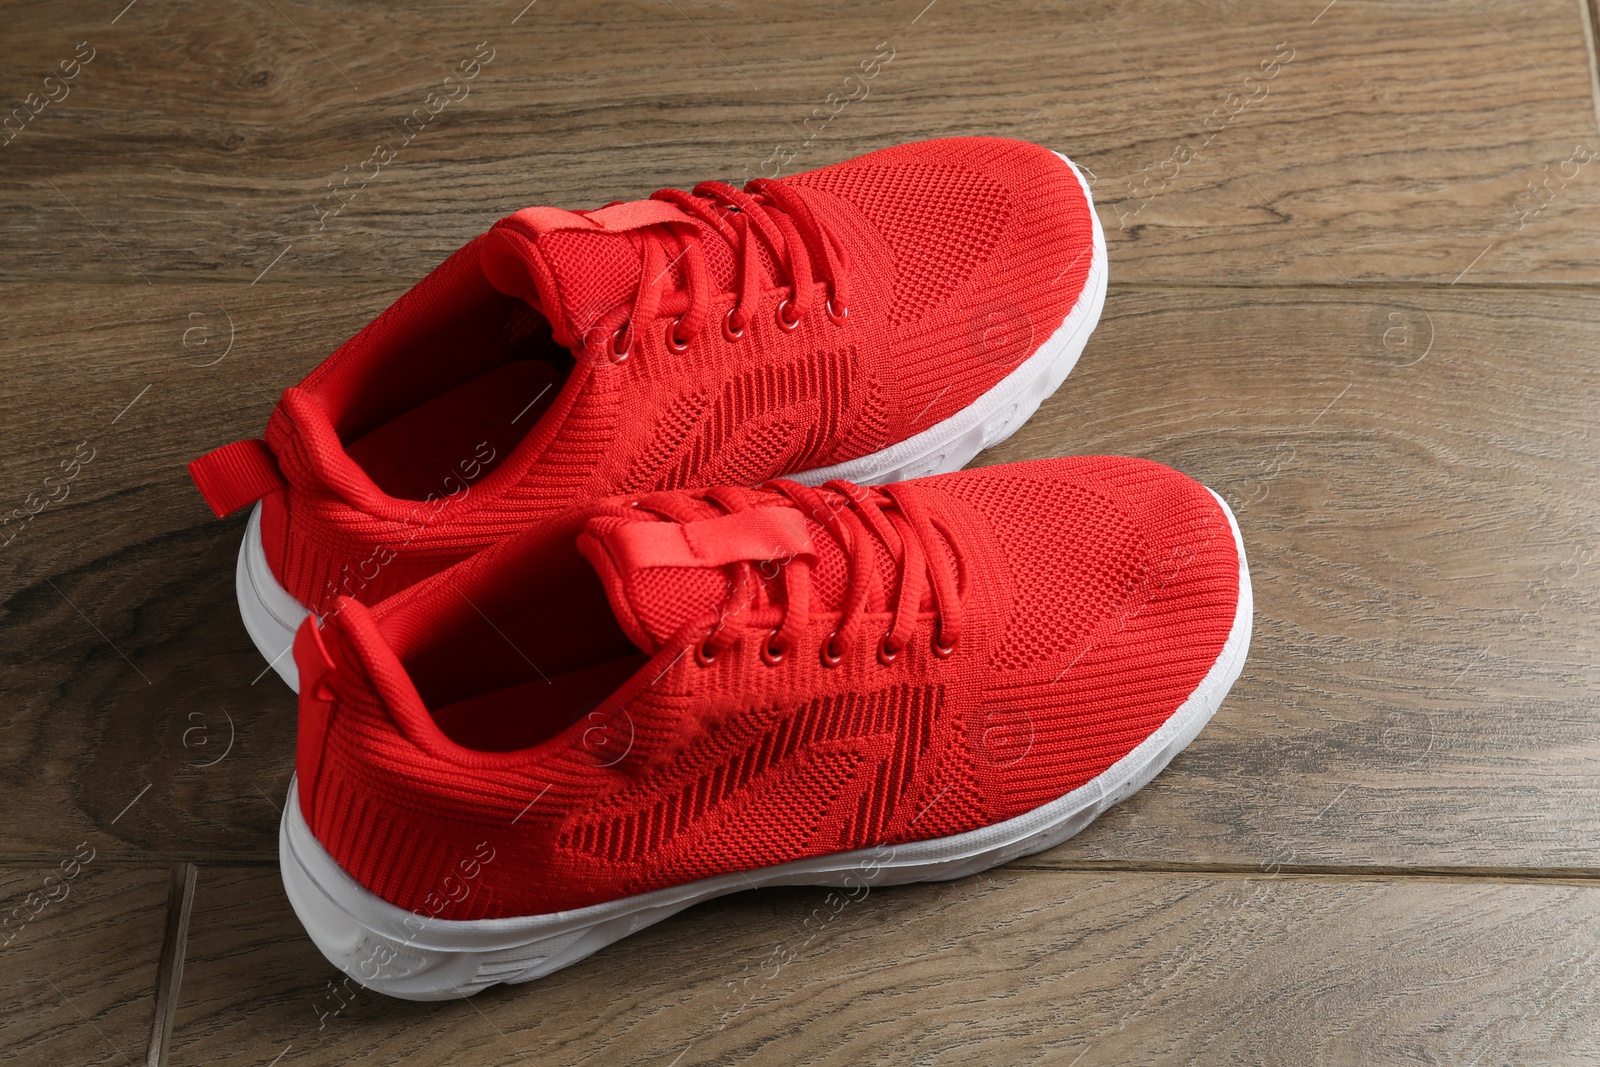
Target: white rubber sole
column 272, row 615
column 393, row 951
column 950, row 444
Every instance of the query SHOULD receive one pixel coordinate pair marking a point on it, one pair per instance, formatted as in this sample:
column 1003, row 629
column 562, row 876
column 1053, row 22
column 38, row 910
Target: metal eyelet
column 941, row 650
column 728, row 329
column 830, row 656
column 771, row 655
column 887, row 655
column 703, row 655
column 672, row 336
column 618, row 350
column 786, row 324
column 838, row 316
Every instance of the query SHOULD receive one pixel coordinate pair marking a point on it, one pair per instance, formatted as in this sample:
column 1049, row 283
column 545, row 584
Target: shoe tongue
column 572, row 277
column 656, row 584
column 660, row 574
column 574, row 266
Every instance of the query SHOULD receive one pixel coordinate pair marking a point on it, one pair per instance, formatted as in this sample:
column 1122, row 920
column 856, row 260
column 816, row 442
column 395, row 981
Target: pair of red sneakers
column 563, row 672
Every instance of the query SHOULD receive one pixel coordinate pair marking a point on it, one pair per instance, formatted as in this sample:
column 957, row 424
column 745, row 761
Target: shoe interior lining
column 454, row 402
column 525, row 715
column 517, row 664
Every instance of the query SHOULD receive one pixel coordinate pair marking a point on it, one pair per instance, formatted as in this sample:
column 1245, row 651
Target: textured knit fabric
column 1091, row 595
column 412, row 446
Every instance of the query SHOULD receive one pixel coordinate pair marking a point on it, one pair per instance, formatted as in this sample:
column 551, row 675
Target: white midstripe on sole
column 394, row 951
column 997, row 414
column 271, row 615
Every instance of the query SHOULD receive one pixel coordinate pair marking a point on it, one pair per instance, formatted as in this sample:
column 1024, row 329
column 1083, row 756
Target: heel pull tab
column 236, row 475
column 316, row 708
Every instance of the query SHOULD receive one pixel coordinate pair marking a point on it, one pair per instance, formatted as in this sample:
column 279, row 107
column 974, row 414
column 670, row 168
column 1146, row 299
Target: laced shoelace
column 769, row 214
column 896, row 517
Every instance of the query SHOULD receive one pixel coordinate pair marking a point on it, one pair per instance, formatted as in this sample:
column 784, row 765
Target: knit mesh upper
column 1054, row 608
column 931, row 237
column 692, row 769
column 941, row 220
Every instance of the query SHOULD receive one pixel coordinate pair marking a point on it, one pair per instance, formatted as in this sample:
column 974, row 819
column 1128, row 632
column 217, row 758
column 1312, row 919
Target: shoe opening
column 510, row 663
column 438, row 407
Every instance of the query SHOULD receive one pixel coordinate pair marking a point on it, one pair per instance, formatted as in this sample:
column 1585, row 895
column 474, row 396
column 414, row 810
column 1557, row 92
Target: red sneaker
column 879, row 319
column 642, row 704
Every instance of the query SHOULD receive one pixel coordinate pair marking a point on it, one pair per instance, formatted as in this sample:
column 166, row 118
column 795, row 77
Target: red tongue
column 572, row 276
column 576, row 266
column 659, row 574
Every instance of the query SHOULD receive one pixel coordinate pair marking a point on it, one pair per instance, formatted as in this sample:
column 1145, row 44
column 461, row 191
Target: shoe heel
column 270, row 614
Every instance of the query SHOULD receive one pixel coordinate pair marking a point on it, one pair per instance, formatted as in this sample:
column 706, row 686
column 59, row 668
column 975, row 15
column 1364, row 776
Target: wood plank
column 125, row 662
column 201, row 142
column 1420, row 518
column 1017, row 966
column 79, row 970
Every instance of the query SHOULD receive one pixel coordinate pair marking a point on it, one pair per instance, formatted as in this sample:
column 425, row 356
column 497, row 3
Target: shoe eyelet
column 729, row 331
column 837, row 316
column 771, row 654
column 703, row 655
column 672, row 336
column 620, row 351
column 786, row 324
column 831, row 656
column 941, row 650
column 887, row 655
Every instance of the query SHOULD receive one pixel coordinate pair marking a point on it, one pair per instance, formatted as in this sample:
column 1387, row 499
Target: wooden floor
column 1354, row 288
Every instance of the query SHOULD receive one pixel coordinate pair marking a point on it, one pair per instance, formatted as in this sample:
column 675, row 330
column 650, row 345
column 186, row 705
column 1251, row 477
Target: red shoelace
column 802, row 249
column 894, row 517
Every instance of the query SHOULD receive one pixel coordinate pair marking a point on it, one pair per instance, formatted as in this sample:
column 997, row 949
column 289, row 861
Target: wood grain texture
column 1415, row 475
column 1012, row 967
column 77, row 979
column 125, row 661
column 1356, row 297
column 200, row 142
